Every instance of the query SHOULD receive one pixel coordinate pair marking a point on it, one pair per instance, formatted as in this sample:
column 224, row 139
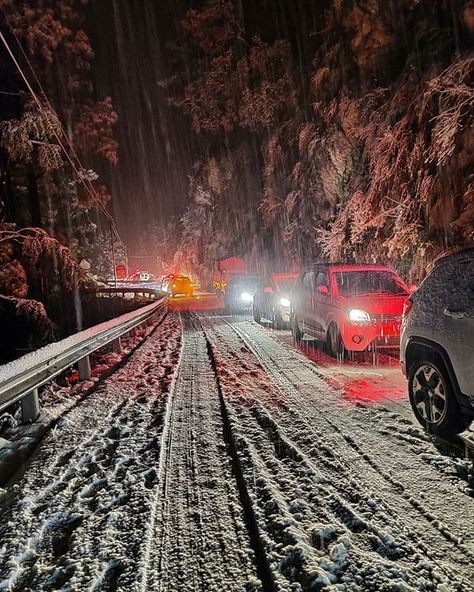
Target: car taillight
column 407, row 307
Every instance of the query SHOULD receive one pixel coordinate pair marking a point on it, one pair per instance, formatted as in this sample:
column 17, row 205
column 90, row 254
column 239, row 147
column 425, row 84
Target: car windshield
column 285, row 285
column 354, row 283
column 182, row 280
column 248, row 282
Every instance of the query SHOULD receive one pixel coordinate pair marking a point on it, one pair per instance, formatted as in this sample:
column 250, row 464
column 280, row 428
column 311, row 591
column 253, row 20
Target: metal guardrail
column 21, row 378
column 130, row 292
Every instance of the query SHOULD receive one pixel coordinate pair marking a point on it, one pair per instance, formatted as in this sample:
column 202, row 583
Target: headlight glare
column 246, row 297
column 284, row 302
column 359, row 316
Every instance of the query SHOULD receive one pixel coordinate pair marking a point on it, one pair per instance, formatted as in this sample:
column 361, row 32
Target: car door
column 266, row 297
column 321, row 300
column 297, row 299
column 455, row 322
column 258, row 296
column 308, row 301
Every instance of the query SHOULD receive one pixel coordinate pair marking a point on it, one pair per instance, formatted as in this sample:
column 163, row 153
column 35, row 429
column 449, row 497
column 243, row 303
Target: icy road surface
column 222, row 458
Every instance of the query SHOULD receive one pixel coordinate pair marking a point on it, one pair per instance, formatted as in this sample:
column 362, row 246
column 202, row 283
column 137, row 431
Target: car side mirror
column 412, row 288
column 268, row 290
column 322, row 289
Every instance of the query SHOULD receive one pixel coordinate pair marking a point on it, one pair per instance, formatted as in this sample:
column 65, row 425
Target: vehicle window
column 321, row 279
column 247, row 282
column 355, row 283
column 285, row 285
column 308, row 280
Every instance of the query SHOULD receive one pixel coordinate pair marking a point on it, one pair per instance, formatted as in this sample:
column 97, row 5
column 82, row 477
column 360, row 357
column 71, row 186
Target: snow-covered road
column 220, row 458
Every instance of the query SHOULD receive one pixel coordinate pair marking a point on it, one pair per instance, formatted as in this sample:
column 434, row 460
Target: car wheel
column 295, row 329
column 433, row 400
column 334, row 342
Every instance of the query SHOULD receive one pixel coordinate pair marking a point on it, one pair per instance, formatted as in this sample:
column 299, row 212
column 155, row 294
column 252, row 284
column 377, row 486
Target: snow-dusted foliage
column 46, row 194
column 364, row 154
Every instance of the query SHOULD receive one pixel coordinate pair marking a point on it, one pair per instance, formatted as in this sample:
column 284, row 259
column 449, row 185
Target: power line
column 89, row 188
column 71, row 146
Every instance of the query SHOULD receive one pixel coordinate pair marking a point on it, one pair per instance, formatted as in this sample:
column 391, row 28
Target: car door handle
column 455, row 314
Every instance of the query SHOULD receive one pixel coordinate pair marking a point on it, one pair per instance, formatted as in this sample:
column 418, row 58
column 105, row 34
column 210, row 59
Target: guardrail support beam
column 84, row 366
column 30, row 406
column 117, row 345
column 23, row 386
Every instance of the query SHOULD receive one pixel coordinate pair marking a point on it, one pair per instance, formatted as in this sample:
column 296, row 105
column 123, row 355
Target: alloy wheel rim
column 429, row 394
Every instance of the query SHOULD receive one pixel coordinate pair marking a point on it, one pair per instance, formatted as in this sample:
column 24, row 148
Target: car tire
column 334, row 343
column 295, row 329
column 433, row 399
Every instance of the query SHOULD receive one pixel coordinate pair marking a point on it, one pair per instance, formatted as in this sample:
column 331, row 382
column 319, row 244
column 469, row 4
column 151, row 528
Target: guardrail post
column 84, row 366
column 30, row 406
column 117, row 345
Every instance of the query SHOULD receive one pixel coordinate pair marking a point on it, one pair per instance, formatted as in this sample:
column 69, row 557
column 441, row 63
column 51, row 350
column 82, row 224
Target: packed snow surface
column 219, row 458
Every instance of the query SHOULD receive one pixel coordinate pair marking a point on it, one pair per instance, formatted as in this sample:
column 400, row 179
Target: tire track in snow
column 287, row 384
column 198, row 539
column 298, row 402
column 79, row 512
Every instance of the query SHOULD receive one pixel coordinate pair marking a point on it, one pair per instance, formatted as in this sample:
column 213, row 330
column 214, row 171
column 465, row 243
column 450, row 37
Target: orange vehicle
column 178, row 285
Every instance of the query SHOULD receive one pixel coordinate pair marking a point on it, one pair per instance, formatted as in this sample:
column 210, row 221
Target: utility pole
column 113, row 253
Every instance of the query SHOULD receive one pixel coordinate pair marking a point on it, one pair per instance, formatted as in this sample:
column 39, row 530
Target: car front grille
column 386, row 318
column 387, row 341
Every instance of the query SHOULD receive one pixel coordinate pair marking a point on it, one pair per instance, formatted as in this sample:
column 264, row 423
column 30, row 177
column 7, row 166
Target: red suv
column 350, row 307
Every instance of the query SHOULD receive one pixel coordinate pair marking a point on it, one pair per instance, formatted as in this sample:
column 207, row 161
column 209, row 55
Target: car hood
column 377, row 303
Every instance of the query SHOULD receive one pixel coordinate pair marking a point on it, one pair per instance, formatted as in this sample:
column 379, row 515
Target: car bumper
column 403, row 366
column 358, row 337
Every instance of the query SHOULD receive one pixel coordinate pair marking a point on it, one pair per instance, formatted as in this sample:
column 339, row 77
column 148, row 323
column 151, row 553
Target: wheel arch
column 331, row 320
column 419, row 346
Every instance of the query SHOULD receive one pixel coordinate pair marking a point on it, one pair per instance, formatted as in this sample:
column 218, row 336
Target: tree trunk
column 35, row 208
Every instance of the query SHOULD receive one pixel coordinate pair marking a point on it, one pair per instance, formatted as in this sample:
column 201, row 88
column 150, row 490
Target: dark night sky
column 156, row 145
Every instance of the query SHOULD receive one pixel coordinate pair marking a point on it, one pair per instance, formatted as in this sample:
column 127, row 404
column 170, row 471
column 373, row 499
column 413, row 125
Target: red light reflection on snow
column 197, row 302
column 367, row 377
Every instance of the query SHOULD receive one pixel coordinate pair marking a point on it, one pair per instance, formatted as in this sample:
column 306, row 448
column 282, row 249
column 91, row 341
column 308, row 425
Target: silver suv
column 437, row 345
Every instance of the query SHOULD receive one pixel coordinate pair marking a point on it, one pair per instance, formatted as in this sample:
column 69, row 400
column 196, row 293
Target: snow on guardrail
column 21, row 378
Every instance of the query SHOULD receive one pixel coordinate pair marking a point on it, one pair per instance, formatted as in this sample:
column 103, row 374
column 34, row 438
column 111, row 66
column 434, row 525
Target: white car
column 437, row 346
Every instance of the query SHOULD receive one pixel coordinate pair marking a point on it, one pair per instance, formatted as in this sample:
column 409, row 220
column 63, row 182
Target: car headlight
column 246, row 297
column 359, row 316
column 284, row 302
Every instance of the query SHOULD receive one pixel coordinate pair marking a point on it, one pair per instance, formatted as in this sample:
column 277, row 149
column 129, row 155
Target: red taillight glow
column 407, row 307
